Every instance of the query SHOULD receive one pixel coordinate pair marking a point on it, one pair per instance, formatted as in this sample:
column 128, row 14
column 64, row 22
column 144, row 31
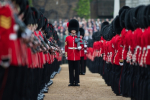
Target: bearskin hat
column 134, row 17
column 40, row 21
column 73, row 25
column 127, row 20
column 45, row 23
column 36, row 14
column 143, row 17
column 96, row 36
column 22, row 4
column 28, row 19
column 104, row 24
column 116, row 25
column 147, row 15
column 82, row 32
column 122, row 17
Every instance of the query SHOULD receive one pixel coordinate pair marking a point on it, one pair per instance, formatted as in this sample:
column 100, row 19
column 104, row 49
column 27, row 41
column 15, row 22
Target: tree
column 83, row 8
column 30, row 3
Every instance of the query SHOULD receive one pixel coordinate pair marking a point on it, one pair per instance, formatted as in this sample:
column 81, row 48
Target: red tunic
column 147, row 54
column 8, row 37
column 96, row 48
column 118, row 49
column 71, row 48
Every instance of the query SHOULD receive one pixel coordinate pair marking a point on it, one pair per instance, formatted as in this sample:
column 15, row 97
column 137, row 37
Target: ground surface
column 92, row 87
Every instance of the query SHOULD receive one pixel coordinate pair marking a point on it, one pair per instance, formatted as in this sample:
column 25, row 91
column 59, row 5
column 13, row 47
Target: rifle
column 77, row 40
column 49, row 44
column 84, row 42
column 43, row 44
column 22, row 26
column 55, row 46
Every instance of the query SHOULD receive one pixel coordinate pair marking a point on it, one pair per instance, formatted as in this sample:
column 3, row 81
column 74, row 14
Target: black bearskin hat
column 28, row 19
column 122, row 16
column 110, row 33
column 116, row 25
column 123, row 9
column 36, row 14
column 82, row 32
column 134, row 17
column 90, row 42
column 22, row 4
column 55, row 35
column 127, row 20
column 45, row 23
column 143, row 21
column 147, row 15
column 41, row 21
column 104, row 23
column 73, row 25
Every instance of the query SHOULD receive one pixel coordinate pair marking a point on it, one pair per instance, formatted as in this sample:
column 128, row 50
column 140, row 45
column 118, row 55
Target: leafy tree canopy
column 30, row 3
column 83, row 8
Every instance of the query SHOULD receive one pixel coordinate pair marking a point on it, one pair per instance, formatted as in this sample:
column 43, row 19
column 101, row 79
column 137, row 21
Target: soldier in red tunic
column 82, row 53
column 72, row 53
column 11, row 61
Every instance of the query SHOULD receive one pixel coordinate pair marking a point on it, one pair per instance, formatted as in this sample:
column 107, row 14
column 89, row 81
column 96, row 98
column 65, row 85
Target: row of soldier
column 120, row 53
column 29, row 52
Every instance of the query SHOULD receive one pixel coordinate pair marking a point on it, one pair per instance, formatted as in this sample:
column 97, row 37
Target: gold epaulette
column 5, row 21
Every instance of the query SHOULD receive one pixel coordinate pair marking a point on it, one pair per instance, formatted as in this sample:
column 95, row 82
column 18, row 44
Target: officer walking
column 72, row 53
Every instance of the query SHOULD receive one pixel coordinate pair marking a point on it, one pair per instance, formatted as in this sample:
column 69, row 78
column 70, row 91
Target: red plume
column 47, row 25
column 27, row 6
column 68, row 24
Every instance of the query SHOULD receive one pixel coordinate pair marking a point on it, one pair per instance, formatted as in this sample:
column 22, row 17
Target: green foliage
column 83, row 8
column 30, row 3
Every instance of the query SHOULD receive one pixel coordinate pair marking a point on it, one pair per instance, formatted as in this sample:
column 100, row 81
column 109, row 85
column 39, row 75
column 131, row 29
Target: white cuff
column 5, row 64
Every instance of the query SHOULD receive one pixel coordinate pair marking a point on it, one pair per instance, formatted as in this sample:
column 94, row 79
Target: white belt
column 144, row 48
column 138, row 47
column 148, row 47
column 72, row 48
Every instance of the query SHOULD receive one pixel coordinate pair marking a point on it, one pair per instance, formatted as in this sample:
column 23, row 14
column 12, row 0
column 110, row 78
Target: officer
column 72, row 53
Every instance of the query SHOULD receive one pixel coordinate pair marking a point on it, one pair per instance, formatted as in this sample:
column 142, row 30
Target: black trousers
column 82, row 65
column 73, row 71
column 148, row 81
column 8, row 83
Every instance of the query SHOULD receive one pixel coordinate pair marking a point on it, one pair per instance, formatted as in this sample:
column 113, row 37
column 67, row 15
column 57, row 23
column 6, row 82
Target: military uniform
column 73, row 56
column 72, row 53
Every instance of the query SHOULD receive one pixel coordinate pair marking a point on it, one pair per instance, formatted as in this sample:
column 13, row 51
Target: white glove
column 85, row 46
column 121, row 63
column 5, row 64
column 79, row 48
column 85, row 51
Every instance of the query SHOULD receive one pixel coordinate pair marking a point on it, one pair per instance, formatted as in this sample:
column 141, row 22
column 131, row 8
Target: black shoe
column 82, row 73
column 71, row 84
column 45, row 91
column 77, row 84
column 118, row 94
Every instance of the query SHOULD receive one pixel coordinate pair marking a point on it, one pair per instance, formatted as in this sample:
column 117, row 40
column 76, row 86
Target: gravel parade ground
column 92, row 87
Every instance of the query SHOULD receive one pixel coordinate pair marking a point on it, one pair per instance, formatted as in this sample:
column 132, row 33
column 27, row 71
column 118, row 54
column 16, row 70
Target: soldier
column 82, row 53
column 10, row 58
column 72, row 53
column 96, row 48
